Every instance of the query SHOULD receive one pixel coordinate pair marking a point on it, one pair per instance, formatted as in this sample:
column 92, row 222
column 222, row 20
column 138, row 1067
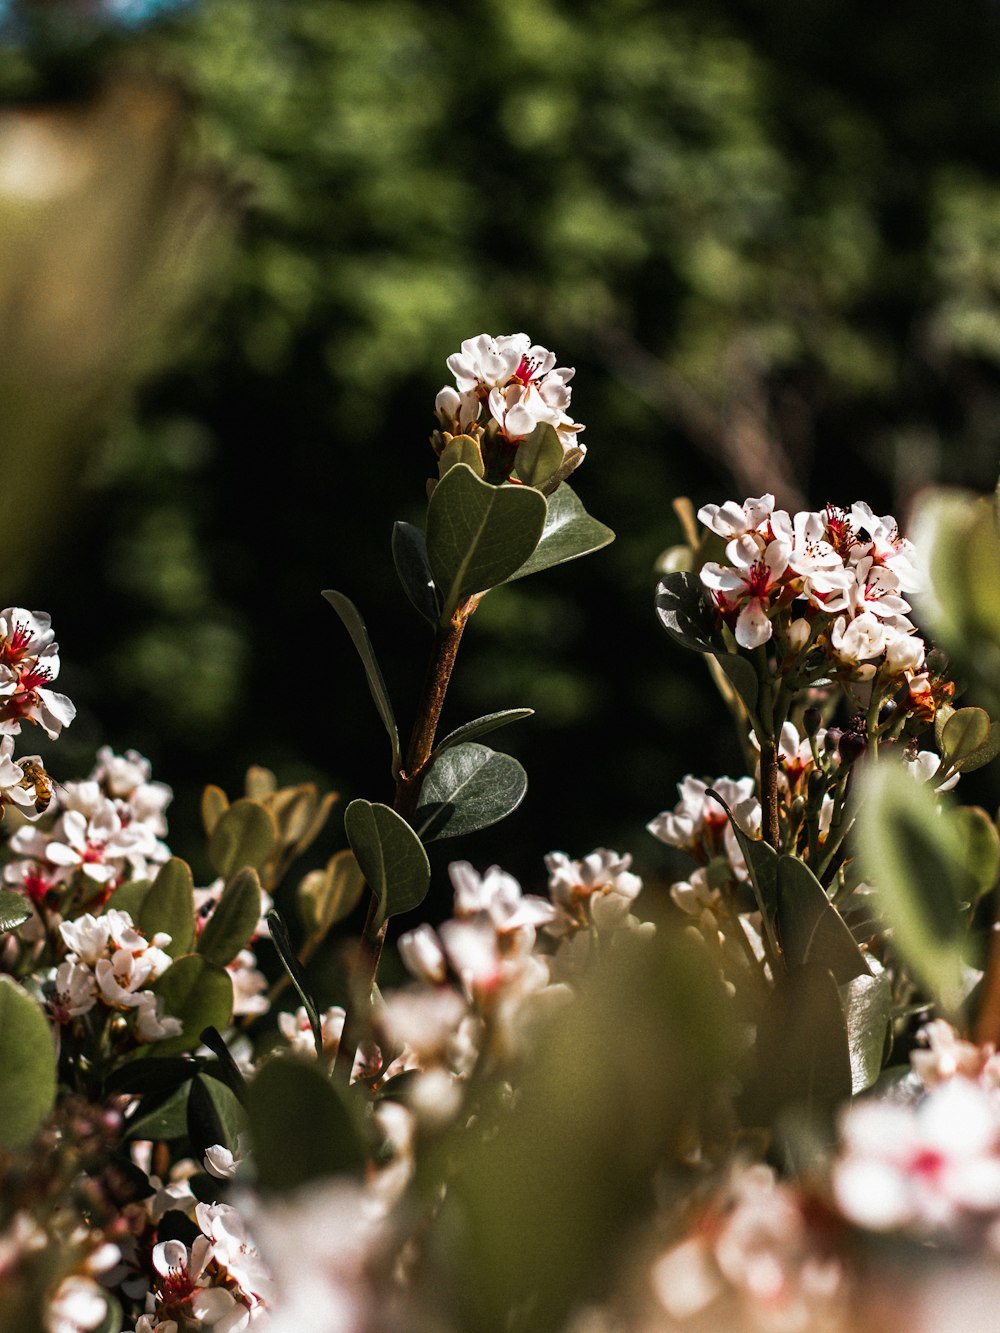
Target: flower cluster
column 29, row 662
column 517, row 383
column 111, row 963
column 108, row 829
column 834, row 578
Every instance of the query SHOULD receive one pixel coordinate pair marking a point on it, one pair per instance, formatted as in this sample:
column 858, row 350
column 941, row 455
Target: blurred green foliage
column 766, row 235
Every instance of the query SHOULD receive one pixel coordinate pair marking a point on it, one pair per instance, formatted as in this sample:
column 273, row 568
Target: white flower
column 75, row 990
column 598, row 889
column 749, row 584
column 183, row 1286
column 151, row 1024
column 234, row 1249
column 518, row 381
column 924, row 1167
column 249, row 984
column 498, row 895
column 923, row 767
column 698, row 823
column 29, row 660
column 77, row 1306
column 297, row 1030
column 733, row 520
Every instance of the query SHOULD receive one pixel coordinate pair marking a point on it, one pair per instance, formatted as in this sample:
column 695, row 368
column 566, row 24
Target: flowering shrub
column 749, row 1099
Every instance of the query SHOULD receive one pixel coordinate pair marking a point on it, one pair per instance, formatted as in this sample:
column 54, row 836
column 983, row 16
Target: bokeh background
column 238, row 239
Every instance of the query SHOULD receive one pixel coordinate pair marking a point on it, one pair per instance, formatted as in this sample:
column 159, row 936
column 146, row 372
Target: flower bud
column 853, row 745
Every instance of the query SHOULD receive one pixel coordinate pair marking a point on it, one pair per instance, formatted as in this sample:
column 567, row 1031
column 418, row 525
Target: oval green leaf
column 28, row 1062
column 483, row 725
column 867, row 1002
column 169, row 906
column 569, row 532
column 539, row 455
column 468, row 787
column 478, row 535
column 244, row 836
column 329, row 895
column 965, row 732
column 300, row 1126
column 810, row 928
column 214, row 804
column 391, row 856
column 14, row 910
column 231, row 926
column 686, row 615
column 409, row 554
column 200, row 994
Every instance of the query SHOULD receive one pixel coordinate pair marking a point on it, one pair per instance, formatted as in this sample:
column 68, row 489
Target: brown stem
column 769, row 790
column 408, row 784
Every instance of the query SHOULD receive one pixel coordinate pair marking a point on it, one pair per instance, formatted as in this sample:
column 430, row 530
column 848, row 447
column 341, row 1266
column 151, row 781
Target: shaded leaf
column 391, row 856
column 129, row 897
column 165, row 1120
column 244, row 836
column 14, row 910
column 409, row 554
column 214, row 804
column 468, row 787
column 984, row 754
column 234, row 918
column 762, row 865
column 913, row 857
column 151, row 1075
column 539, row 455
column 214, row 1116
column 355, row 626
column 965, row 732
column 478, row 534
column 329, row 895
column 28, row 1065
column 686, row 615
column 461, row 449
column 301, row 1128
column 980, row 844
column 810, row 928
column 867, row 1002
column 482, row 726
column 742, row 677
column 569, row 532
column 113, row 1320
column 803, row 1053
column 200, row 994
column 290, row 962
column 169, row 906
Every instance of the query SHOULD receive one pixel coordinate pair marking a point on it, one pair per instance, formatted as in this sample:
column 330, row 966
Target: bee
column 36, row 779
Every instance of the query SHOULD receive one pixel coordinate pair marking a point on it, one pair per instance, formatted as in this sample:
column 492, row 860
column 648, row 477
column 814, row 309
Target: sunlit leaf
column 27, row 1065
column 468, row 787
column 569, row 532
column 390, row 854
column 245, row 835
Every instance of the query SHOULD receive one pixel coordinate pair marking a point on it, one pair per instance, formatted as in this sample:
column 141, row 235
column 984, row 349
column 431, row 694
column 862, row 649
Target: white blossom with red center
column 29, row 662
column 930, row 1167
column 518, row 382
column 699, row 825
column 749, row 587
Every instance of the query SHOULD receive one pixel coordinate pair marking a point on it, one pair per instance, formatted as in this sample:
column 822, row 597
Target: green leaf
column 461, row 449
column 290, row 962
column 985, row 754
column 913, row 857
column 200, row 994
column 301, row 1128
column 151, row 1075
column 391, row 856
column 169, row 906
column 539, row 455
column 478, row 535
column 234, row 918
column 14, row 910
column 355, row 626
column 569, row 532
column 167, row 1120
column 329, row 895
column 980, row 844
column 762, row 865
column 129, row 897
column 409, row 554
column 803, row 1051
column 244, row 836
column 867, row 1002
column 957, row 534
column 686, row 615
column 113, row 1320
column 28, row 1065
column 742, row 677
column 214, row 1116
column 468, row 787
column 965, row 732
column 810, row 928
column 214, row 804
column 482, row 726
